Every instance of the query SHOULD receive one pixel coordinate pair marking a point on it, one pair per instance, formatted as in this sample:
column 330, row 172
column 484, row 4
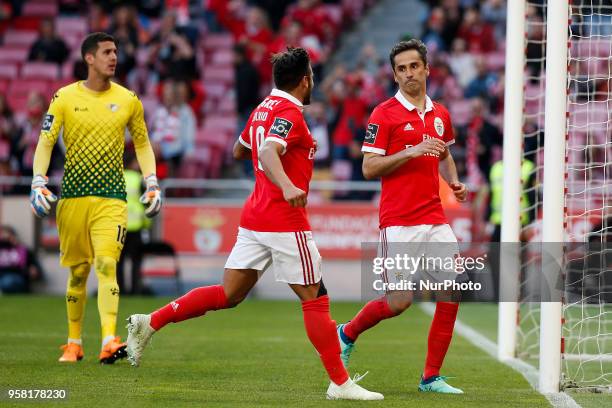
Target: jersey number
column 259, row 139
column 121, row 231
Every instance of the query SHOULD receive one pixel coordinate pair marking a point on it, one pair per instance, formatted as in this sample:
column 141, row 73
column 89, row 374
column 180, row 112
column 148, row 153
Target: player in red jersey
column 406, row 145
column 274, row 230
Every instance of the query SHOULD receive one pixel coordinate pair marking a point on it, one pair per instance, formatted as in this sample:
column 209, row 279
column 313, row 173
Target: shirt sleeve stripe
column 376, row 150
column 242, row 142
column 279, row 141
column 450, row 142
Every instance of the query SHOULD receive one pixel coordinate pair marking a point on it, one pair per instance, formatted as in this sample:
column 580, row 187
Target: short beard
column 306, row 100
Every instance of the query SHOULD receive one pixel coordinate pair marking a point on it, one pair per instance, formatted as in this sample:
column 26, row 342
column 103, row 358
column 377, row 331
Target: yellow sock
column 108, row 294
column 76, row 296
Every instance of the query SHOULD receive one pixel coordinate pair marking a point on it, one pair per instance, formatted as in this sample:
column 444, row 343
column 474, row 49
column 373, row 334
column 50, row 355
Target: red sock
column 321, row 330
column 194, row 303
column 440, row 335
column 372, row 313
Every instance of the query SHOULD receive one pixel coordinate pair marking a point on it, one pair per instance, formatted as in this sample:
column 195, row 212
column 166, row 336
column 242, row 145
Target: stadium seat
column 40, row 70
column 334, row 12
column 215, row 90
column 496, row 61
column 20, row 38
column 72, row 40
column 160, row 261
column 226, row 106
column 8, row 71
column 213, row 137
column 461, row 112
column 224, row 123
column 12, row 54
column 19, row 90
column 213, row 42
column 149, row 104
column 17, row 102
column 223, row 75
column 142, row 57
column 223, row 58
column 71, row 25
column 67, row 69
column 40, row 9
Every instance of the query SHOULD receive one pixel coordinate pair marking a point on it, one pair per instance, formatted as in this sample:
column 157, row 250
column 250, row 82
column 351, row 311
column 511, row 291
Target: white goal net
column 587, row 301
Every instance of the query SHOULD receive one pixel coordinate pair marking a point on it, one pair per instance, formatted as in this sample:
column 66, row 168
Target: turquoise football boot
column 437, row 383
column 346, row 346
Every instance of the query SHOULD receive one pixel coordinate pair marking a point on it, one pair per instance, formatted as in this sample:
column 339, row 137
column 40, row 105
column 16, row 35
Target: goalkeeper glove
column 152, row 196
column 41, row 196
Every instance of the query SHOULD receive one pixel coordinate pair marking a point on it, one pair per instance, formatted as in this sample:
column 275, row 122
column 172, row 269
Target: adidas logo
column 174, row 305
column 408, row 126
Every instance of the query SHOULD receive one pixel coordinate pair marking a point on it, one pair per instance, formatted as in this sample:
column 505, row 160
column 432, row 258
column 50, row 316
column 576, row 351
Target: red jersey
column 278, row 119
column 410, row 194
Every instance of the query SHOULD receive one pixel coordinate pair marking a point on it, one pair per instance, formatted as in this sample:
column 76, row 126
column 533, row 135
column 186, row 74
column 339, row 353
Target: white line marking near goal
column 557, row 400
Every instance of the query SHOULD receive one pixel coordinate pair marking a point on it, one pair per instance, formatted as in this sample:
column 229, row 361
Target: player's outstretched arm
column 375, row 165
column 151, row 198
column 269, row 156
column 448, row 171
column 40, row 196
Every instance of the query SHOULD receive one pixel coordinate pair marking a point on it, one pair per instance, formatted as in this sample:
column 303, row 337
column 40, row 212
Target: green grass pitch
column 255, row 355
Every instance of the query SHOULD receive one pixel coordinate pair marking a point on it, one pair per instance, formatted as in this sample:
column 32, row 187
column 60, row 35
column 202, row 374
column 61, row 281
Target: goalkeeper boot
column 72, row 353
column 139, row 335
column 350, row 390
column 113, row 351
column 346, row 345
column 437, row 383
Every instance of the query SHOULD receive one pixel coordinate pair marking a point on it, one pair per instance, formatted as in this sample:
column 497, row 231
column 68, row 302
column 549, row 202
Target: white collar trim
column 288, row 96
column 406, row 103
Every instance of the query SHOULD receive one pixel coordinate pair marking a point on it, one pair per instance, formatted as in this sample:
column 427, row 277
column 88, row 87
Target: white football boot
column 139, row 335
column 350, row 390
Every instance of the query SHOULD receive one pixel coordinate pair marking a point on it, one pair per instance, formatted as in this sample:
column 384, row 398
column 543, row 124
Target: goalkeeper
column 92, row 212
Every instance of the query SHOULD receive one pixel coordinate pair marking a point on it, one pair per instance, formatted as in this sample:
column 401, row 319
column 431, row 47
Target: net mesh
column 587, row 311
column 532, row 180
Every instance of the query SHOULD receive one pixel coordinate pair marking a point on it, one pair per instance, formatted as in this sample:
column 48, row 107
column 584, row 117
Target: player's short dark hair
column 413, row 44
column 290, row 67
column 90, row 44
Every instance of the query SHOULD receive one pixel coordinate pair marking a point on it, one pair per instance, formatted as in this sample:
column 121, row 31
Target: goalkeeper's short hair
column 90, row 43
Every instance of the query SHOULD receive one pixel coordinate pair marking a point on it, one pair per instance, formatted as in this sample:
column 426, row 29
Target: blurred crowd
column 193, row 63
column 176, row 53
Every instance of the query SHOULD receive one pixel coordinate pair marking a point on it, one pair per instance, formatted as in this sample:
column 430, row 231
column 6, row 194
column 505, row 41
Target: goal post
column 555, row 124
column 512, row 152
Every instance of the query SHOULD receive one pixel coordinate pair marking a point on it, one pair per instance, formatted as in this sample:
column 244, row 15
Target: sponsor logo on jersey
column 77, row 109
column 408, row 126
column 371, row 133
column 281, row 127
column 439, row 126
column 113, row 107
column 47, row 122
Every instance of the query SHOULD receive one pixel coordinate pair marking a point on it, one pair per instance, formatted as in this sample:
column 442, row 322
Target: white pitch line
column 557, row 400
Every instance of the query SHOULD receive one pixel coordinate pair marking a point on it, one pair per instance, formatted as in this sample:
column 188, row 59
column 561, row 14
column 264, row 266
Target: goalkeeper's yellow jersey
column 94, row 125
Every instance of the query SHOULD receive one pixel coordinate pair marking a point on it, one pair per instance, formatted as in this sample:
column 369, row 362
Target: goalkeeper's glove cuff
column 152, row 196
column 40, row 196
